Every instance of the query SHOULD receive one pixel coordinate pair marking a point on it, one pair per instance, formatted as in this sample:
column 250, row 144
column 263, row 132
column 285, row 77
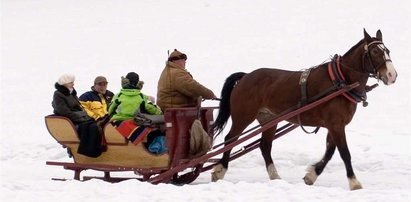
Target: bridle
column 338, row 79
column 367, row 56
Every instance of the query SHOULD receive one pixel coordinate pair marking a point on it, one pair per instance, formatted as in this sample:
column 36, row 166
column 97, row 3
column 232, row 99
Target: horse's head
column 376, row 59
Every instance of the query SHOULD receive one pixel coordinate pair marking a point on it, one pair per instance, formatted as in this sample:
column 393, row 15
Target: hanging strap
column 303, row 102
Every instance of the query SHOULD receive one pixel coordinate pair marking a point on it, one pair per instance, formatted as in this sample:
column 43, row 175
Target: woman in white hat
column 65, row 100
column 66, row 103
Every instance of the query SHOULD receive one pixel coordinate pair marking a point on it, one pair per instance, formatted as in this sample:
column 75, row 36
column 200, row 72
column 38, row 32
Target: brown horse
column 263, row 92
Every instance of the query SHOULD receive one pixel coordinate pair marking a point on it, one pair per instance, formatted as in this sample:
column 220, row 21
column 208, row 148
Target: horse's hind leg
column 266, row 144
column 238, row 125
column 265, row 147
column 315, row 170
column 221, row 168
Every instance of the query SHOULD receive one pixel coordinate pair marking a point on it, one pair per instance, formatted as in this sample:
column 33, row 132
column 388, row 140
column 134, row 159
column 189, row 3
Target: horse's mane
column 354, row 47
column 348, row 52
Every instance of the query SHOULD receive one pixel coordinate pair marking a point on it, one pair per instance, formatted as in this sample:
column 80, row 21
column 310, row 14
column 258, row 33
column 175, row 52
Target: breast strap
column 339, row 81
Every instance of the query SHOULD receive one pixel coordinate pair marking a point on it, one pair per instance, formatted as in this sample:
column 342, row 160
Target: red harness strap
column 340, row 75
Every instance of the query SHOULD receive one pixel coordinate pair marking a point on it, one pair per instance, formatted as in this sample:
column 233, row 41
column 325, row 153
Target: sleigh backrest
column 62, row 129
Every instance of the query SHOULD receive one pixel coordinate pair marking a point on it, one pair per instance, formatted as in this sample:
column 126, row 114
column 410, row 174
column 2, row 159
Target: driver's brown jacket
column 177, row 88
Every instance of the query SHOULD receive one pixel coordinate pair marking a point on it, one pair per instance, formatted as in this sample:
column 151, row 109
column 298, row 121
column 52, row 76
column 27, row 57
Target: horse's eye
column 374, row 51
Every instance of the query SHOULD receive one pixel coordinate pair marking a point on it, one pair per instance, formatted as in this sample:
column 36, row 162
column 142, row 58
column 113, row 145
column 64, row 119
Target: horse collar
column 338, row 79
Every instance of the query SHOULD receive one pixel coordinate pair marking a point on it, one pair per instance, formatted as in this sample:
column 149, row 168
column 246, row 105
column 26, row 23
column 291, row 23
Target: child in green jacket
column 130, row 99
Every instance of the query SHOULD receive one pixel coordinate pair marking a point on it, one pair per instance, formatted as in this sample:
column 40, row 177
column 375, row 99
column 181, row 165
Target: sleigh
column 123, row 155
column 172, row 166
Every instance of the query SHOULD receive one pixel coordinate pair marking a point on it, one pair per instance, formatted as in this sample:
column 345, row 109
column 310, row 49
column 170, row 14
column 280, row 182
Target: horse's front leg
column 338, row 136
column 313, row 171
column 341, row 142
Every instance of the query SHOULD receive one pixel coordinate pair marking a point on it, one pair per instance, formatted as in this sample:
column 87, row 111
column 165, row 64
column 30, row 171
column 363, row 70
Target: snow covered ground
column 42, row 39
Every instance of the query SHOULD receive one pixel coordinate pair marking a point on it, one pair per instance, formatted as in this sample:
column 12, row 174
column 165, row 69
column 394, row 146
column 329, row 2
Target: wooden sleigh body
column 122, row 155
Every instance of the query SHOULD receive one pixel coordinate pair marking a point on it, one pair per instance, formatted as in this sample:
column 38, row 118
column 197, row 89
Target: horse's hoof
column 219, row 172
column 214, row 177
column 308, row 181
column 310, row 177
column 272, row 172
column 354, row 183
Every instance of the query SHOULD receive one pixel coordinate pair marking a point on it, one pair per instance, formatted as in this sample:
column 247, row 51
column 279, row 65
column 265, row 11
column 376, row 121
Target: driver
column 176, row 86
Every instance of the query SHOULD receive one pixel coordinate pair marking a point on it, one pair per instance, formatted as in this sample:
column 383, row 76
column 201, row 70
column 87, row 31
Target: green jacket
column 125, row 103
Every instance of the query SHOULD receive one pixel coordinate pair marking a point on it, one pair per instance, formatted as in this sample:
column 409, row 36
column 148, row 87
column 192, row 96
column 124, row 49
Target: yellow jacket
column 96, row 104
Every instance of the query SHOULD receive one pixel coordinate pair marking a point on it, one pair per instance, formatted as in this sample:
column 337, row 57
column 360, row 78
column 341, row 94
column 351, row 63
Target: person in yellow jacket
column 176, row 87
column 96, row 101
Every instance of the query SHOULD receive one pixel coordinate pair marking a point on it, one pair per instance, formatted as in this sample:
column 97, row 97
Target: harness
column 338, row 79
column 339, row 82
column 304, row 99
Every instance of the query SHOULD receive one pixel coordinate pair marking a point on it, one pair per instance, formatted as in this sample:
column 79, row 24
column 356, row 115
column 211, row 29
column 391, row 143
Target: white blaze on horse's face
column 388, row 74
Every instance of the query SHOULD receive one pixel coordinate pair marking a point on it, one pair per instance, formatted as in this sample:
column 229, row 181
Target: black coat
column 67, row 104
column 90, row 139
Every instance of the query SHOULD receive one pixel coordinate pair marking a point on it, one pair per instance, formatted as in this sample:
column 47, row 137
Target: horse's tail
column 224, row 112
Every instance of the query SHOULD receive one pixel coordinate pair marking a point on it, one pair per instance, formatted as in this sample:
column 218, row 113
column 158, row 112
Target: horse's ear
column 379, row 35
column 367, row 37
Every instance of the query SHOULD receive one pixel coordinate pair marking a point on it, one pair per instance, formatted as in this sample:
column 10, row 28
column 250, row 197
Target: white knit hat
column 65, row 79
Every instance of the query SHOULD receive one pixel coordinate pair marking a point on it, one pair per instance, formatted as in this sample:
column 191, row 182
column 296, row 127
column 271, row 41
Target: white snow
column 42, row 39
